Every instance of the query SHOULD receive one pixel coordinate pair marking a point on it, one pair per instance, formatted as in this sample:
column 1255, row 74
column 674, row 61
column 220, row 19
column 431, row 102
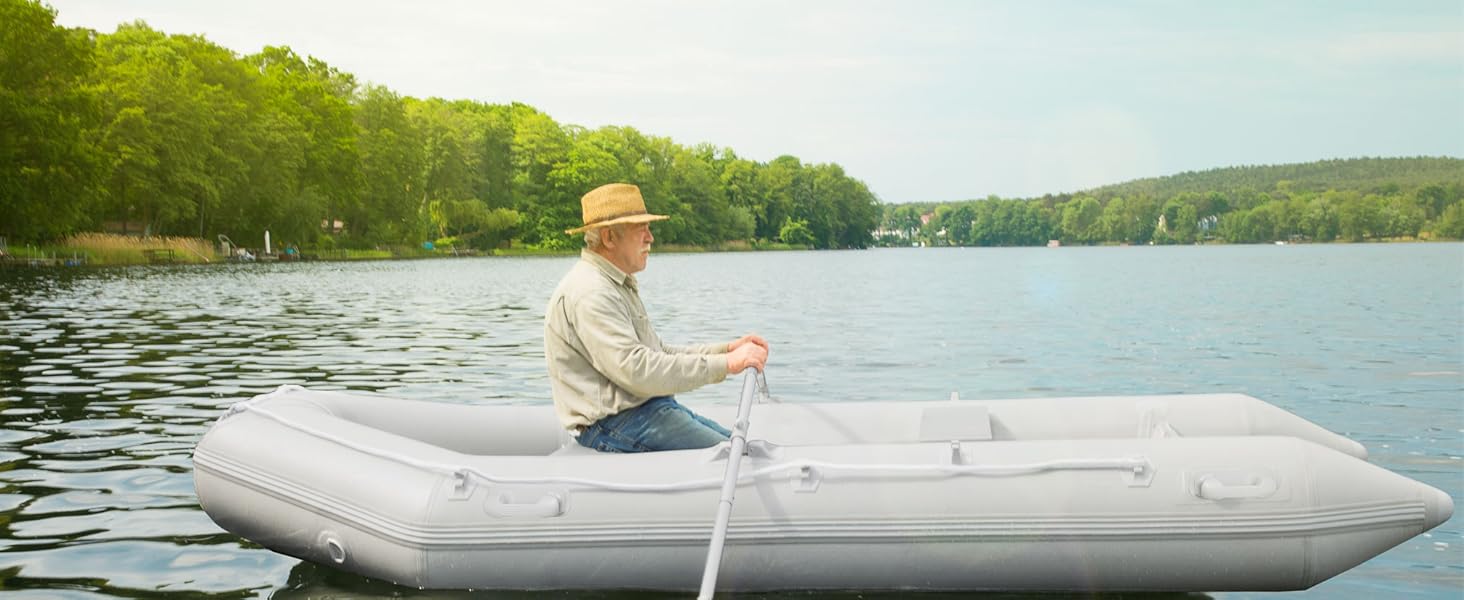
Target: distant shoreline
column 105, row 250
column 50, row 258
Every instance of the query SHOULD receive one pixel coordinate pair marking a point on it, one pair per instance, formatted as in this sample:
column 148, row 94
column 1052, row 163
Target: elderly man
column 612, row 376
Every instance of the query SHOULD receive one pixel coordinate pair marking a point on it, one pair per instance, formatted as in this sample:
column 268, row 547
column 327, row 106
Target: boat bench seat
column 955, row 422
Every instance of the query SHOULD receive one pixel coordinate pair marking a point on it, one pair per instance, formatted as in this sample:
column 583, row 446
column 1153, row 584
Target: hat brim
column 646, row 218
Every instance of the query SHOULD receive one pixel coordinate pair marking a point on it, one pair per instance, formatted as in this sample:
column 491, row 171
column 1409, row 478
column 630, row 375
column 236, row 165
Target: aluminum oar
column 753, row 383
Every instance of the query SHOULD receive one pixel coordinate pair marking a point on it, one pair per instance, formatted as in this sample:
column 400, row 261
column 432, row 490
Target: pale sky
column 921, row 100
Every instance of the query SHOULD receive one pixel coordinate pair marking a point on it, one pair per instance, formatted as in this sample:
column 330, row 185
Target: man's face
column 631, row 247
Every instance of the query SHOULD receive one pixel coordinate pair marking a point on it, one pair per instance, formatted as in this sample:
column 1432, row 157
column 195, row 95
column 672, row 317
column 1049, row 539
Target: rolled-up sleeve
column 608, row 333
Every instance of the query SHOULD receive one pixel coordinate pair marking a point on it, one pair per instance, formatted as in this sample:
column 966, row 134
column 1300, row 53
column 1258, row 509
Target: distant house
column 334, row 226
column 925, row 218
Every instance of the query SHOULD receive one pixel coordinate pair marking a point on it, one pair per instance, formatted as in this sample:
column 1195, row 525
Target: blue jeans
column 661, row 423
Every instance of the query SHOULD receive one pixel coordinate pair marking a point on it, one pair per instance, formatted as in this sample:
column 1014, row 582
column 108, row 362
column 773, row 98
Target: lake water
column 108, row 377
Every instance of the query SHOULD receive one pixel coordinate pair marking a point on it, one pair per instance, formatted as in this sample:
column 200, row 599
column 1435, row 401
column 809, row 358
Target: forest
column 139, row 131
column 1350, row 200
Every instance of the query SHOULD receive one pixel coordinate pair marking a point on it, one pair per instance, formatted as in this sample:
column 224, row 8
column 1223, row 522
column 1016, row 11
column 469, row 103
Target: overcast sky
column 923, row 101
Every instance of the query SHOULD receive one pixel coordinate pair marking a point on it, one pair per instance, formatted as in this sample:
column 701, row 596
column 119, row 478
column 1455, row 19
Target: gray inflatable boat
column 1176, row 493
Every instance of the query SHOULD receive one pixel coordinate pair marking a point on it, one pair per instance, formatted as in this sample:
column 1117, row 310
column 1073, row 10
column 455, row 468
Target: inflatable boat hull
column 833, row 496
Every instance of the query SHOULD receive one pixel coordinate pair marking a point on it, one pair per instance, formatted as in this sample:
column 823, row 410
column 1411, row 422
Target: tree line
column 175, row 135
column 1362, row 174
column 1340, row 200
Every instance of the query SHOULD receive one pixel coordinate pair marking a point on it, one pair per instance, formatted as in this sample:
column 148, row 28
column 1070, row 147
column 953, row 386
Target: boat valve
column 334, row 548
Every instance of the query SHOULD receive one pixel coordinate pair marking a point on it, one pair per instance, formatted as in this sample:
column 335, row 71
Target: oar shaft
column 729, row 487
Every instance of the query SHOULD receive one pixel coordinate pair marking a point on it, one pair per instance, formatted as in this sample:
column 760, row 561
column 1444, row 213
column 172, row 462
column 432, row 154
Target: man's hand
column 751, row 338
column 749, row 351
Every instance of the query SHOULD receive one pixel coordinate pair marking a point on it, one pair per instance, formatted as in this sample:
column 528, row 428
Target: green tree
column 746, row 192
column 539, row 145
column 1357, row 219
column 1081, row 220
column 473, row 222
column 1450, row 224
column 390, row 152
column 491, row 145
column 957, row 223
column 796, row 233
column 1434, row 198
column 448, row 164
column 164, row 123
column 783, row 181
column 687, row 188
column 50, row 169
column 1400, row 215
column 1128, row 220
column 313, row 100
column 1265, row 223
column 1319, row 220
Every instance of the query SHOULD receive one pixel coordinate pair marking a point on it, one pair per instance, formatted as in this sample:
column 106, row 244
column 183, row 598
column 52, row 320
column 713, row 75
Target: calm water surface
column 109, row 377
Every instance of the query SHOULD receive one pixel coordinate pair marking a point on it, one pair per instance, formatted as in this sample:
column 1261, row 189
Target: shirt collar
column 608, row 268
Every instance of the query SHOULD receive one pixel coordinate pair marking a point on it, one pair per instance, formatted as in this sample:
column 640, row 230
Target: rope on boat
column 798, row 467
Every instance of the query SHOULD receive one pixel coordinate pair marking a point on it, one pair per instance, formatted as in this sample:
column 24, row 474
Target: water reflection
column 109, row 377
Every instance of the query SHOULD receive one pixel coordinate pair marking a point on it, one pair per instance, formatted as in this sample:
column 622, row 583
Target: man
column 613, row 379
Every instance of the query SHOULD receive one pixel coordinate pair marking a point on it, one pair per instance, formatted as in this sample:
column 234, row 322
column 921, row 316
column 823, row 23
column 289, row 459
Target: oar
column 750, row 384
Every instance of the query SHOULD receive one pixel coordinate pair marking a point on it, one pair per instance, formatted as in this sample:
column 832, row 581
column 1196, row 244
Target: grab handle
column 1210, row 487
column 507, row 505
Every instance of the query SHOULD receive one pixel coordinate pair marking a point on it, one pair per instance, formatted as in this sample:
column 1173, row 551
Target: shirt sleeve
column 606, row 330
column 696, row 349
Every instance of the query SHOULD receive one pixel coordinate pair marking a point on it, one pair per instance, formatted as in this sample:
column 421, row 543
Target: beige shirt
column 603, row 355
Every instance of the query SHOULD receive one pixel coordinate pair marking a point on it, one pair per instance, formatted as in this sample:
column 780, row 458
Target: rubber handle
column 1211, row 488
column 545, row 506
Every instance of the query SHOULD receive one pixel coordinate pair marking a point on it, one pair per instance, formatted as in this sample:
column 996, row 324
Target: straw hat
column 613, row 204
